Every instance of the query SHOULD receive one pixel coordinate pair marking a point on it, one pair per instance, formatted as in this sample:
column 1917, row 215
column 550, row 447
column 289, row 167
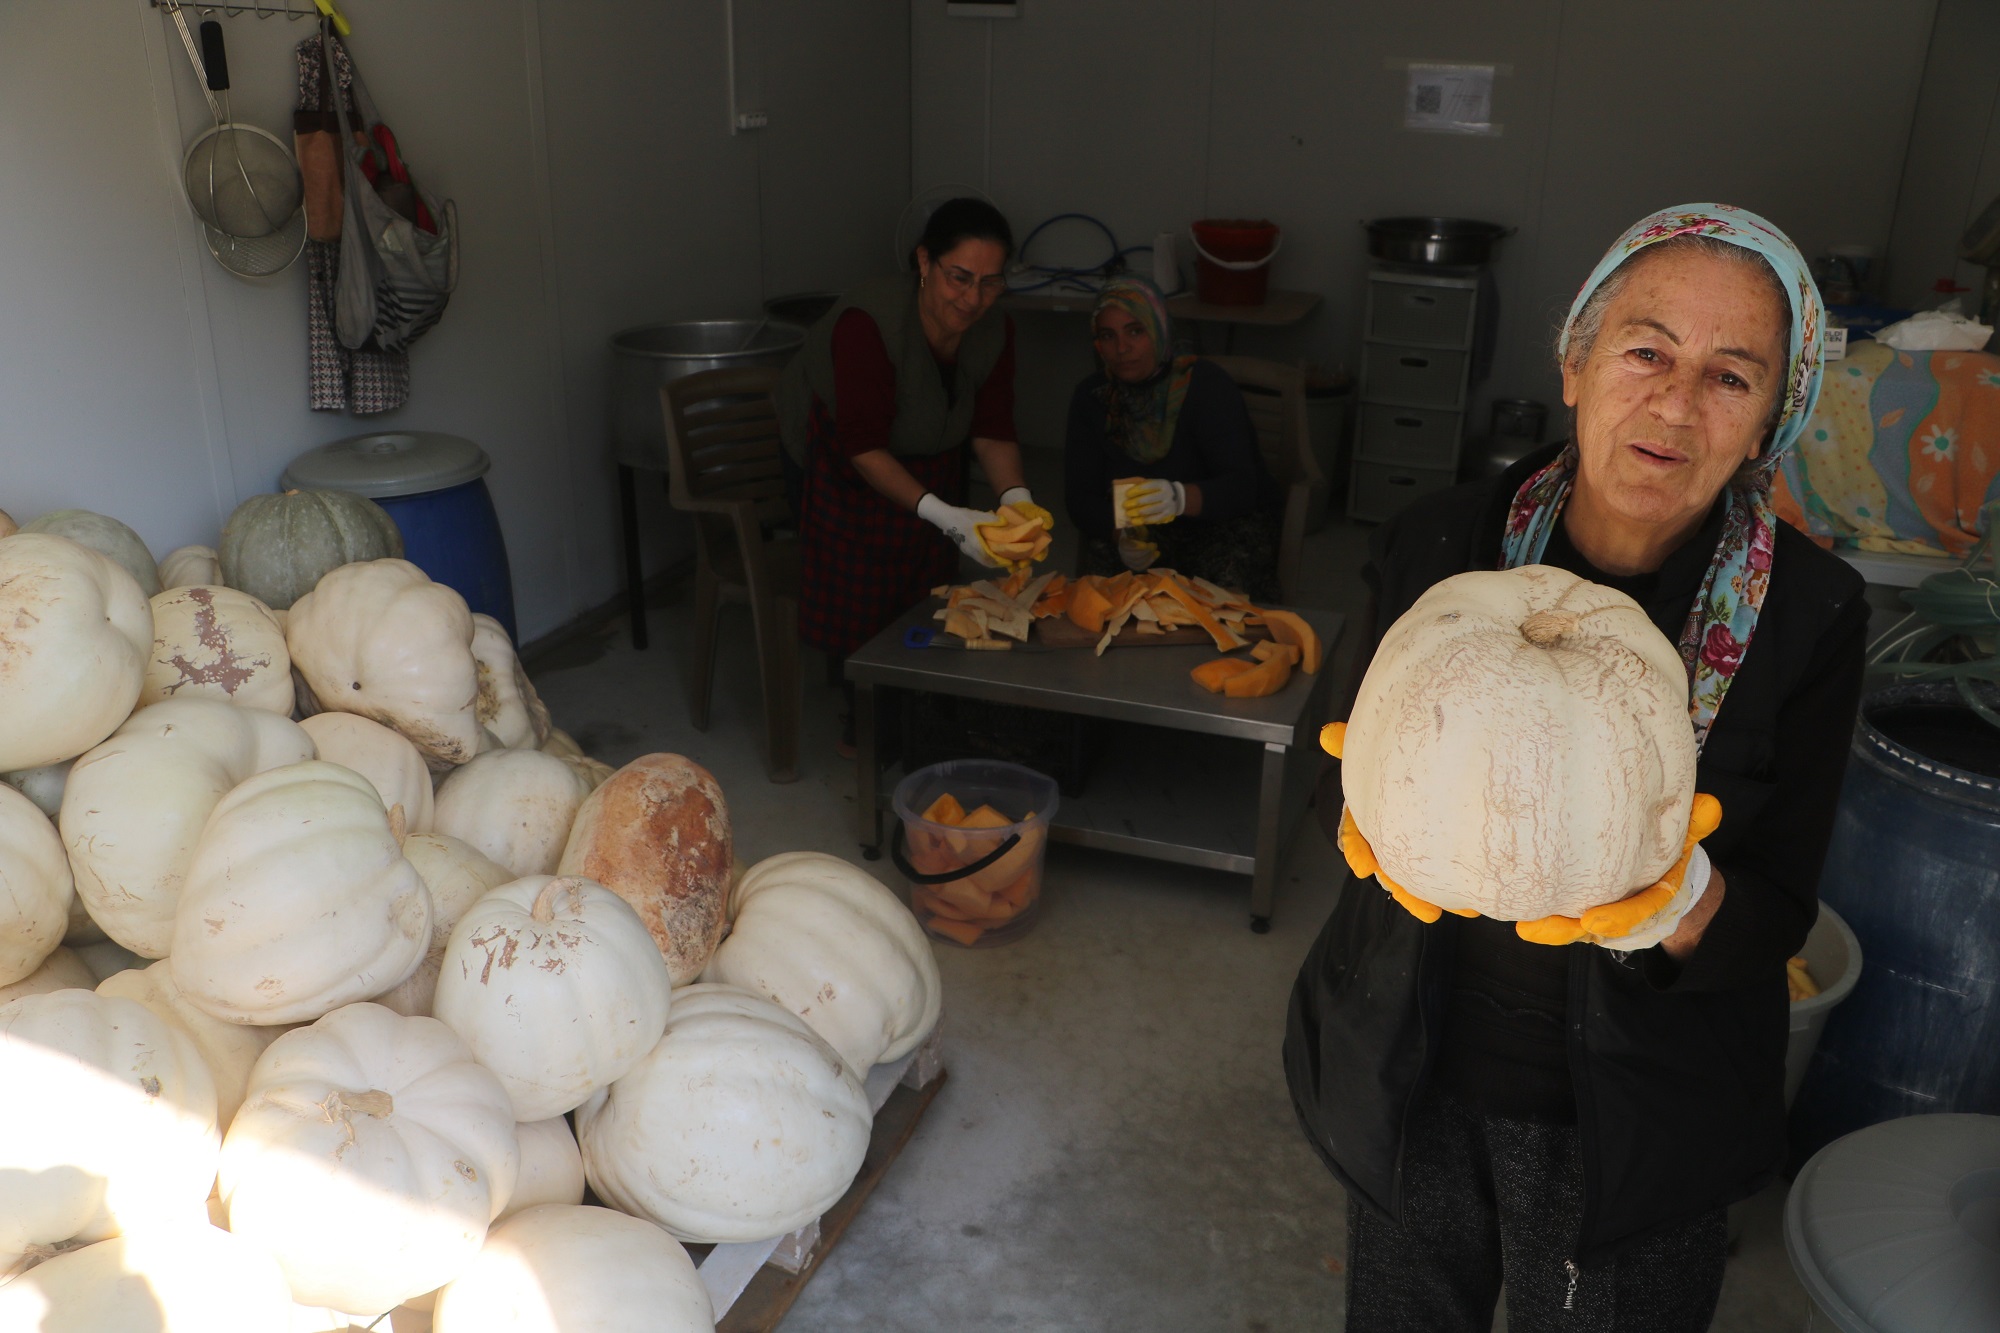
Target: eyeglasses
column 960, row 281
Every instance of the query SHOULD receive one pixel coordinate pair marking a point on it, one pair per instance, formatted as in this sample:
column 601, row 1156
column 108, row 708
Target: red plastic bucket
column 1233, row 260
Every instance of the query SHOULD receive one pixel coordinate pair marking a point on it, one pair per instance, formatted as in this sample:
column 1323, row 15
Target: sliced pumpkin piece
column 1291, row 627
column 963, row 932
column 1260, row 680
column 1226, row 639
column 985, row 817
column 1211, row 676
column 946, row 810
column 1088, row 606
column 1270, row 650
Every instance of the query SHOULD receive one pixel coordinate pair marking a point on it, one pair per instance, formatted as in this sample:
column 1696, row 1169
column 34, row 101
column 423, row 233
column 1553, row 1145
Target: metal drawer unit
column 1416, row 371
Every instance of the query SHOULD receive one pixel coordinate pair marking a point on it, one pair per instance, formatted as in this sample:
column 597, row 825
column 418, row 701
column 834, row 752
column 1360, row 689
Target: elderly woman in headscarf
column 1203, row 504
column 1570, row 1121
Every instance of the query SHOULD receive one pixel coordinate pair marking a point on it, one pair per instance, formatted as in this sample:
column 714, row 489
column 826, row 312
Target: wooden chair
column 722, row 459
column 1276, row 396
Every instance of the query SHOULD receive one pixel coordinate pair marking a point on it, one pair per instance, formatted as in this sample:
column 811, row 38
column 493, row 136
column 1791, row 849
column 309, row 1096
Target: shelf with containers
column 1418, row 334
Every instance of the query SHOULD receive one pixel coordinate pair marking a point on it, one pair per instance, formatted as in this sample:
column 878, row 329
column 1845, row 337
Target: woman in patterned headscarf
column 1205, row 504
column 1572, row 1120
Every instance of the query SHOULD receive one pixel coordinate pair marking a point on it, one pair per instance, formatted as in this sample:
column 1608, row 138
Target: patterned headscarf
column 1725, row 611
column 1141, row 417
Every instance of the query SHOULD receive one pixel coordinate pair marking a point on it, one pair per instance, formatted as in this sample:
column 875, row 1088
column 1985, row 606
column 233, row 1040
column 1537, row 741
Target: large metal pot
column 643, row 360
column 1434, row 242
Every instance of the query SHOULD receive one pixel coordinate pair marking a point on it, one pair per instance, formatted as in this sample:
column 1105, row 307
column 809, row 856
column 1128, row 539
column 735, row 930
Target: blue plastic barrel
column 433, row 486
column 1914, row 867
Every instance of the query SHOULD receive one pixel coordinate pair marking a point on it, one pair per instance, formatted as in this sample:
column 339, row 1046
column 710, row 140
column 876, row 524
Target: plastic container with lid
column 1896, row 1228
column 434, row 486
column 978, row 882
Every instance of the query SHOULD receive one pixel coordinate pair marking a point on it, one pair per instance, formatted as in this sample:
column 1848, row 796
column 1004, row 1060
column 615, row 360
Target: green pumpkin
column 106, row 536
column 277, row 547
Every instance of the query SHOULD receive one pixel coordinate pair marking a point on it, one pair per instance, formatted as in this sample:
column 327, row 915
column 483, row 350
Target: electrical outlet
column 752, row 120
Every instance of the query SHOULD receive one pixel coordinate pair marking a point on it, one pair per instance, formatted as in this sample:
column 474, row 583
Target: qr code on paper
column 1427, row 99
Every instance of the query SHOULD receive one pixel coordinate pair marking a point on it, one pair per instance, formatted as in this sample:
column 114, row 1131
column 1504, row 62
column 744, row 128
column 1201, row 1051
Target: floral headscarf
column 1725, row 611
column 1140, row 417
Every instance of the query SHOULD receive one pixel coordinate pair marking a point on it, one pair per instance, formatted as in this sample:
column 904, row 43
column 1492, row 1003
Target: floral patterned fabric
column 1900, row 454
column 1725, row 610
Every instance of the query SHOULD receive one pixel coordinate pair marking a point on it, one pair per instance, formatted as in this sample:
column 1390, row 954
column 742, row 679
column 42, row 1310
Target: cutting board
column 1062, row 632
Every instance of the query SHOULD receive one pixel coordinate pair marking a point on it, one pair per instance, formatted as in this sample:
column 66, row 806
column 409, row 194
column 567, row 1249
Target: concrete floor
column 1115, row 1149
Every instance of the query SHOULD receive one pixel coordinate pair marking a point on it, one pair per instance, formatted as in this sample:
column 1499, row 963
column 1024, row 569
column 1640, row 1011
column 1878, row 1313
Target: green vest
column 928, row 421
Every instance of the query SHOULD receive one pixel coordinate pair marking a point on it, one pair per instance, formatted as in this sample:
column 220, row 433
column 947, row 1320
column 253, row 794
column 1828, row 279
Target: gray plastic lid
column 388, row 464
column 1896, row 1228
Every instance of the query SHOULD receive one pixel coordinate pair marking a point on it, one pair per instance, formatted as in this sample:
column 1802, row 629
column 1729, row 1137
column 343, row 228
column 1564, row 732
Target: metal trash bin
column 646, row 360
column 434, row 486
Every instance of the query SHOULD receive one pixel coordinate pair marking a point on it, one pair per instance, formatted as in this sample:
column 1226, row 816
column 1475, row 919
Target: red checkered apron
column 867, row 560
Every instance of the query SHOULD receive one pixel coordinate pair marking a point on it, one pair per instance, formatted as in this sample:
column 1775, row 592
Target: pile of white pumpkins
column 314, row 936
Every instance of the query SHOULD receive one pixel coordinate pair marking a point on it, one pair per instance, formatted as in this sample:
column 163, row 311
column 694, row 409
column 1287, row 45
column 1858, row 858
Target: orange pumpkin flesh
column 1211, row 676
column 1290, row 627
column 1264, row 679
column 1088, row 606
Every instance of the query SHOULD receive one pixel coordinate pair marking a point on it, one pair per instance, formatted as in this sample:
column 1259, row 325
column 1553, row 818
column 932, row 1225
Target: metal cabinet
column 1416, row 373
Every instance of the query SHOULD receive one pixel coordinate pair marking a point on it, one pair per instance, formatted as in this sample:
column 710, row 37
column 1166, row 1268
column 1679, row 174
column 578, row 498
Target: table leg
column 1270, row 821
column 867, row 773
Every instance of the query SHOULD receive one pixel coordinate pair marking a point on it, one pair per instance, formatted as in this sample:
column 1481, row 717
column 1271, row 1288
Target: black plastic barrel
column 1914, row 867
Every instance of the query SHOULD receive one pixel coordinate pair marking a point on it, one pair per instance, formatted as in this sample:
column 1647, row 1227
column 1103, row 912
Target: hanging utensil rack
column 289, row 13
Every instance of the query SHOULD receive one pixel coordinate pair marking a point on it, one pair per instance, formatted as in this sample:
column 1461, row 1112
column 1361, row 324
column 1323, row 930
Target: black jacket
column 1678, row 1069
column 1214, row 445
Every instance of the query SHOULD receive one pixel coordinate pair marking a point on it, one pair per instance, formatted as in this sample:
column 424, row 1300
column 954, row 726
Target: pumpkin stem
column 544, row 910
column 1545, row 629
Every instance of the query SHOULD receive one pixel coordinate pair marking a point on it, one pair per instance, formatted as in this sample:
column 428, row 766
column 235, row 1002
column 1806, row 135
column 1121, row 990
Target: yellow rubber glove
column 1024, row 504
column 1614, row 922
column 1361, row 857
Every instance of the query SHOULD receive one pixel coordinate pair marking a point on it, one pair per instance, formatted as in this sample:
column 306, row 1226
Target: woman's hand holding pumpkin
column 962, row 526
column 1154, row 500
column 1024, row 504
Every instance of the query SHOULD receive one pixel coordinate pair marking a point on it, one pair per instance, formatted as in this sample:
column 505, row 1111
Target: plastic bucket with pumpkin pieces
column 971, row 840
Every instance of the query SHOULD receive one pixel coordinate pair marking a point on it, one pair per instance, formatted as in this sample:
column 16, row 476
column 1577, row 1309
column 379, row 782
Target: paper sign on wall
column 1450, row 99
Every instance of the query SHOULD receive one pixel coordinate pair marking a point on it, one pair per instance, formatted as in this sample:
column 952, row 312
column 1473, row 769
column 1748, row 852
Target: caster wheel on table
column 1260, row 925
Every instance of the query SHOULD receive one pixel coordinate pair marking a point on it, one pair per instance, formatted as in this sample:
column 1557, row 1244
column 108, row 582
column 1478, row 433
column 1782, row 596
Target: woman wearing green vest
column 878, row 408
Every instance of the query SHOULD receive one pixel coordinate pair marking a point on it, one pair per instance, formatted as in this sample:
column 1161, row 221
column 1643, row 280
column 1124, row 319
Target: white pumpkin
column 135, row 806
column 508, row 704
column 8, row 527
column 370, row 1155
column 185, row 1279
column 186, row 566
column 42, row 785
column 83, row 929
column 742, row 1124
column 457, row 877
column 298, row 900
column 380, row 639
column 107, row 1121
column 515, row 806
column 217, row 643
column 564, row 1269
column 108, row 537
column 228, row 1049
column 556, row 987
column 833, row 945
column 382, row 756
column 61, row 970
column 1520, row 746
column 551, row 1166
column 79, row 632
column 35, row 887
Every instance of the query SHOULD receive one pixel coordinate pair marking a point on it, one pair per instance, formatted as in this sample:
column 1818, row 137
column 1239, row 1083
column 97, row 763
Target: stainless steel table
column 1204, row 780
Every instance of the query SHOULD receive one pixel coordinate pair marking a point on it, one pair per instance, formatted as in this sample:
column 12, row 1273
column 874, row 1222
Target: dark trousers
column 1489, row 1201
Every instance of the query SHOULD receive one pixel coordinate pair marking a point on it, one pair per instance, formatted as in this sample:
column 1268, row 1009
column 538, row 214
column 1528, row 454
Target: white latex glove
column 1154, row 500
column 962, row 526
